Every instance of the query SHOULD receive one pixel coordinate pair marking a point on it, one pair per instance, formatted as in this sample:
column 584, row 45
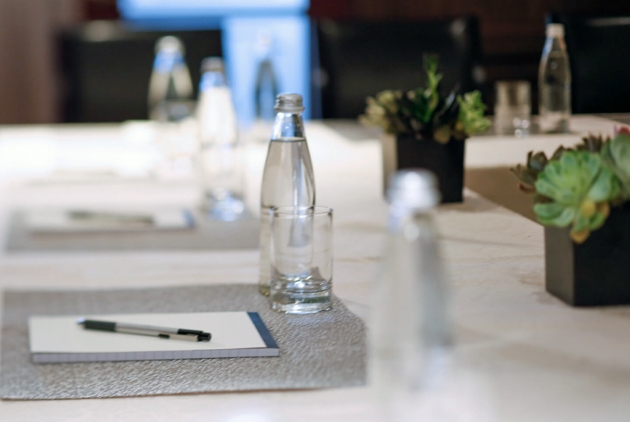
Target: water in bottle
column 170, row 86
column 410, row 337
column 288, row 178
column 220, row 154
column 554, row 81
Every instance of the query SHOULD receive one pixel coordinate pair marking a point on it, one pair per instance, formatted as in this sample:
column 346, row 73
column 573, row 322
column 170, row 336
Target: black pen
column 145, row 330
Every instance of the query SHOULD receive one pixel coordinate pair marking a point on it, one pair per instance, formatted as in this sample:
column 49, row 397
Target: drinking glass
column 513, row 107
column 301, row 259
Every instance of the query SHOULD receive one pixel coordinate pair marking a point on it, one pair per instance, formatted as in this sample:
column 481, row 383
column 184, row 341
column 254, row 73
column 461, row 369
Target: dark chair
column 107, row 66
column 599, row 56
column 358, row 59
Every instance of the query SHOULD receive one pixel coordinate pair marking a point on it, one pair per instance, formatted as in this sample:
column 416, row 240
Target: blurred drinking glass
column 513, row 108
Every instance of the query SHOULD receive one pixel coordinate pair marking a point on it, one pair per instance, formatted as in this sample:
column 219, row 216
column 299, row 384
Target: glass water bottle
column 266, row 82
column 554, row 81
column 288, row 178
column 170, row 81
column 220, row 155
column 410, row 335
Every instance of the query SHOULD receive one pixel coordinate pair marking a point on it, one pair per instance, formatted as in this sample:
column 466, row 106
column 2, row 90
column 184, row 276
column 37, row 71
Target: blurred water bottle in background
column 266, row 82
column 266, row 88
column 410, row 333
column 170, row 87
column 220, row 153
column 288, row 178
column 554, row 79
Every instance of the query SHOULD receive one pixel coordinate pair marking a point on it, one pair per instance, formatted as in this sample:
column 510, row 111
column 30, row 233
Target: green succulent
column 528, row 174
column 383, row 111
column 592, row 143
column 579, row 187
column 425, row 113
column 471, row 109
column 616, row 154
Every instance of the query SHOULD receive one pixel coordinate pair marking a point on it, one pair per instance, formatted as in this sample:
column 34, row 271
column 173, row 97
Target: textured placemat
column 207, row 234
column 323, row 350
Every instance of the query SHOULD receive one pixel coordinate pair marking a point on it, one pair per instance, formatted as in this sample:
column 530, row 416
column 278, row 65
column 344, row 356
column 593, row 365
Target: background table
column 521, row 354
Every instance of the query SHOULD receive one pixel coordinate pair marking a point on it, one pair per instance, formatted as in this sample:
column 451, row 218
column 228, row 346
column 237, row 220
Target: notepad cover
column 44, row 221
column 234, row 334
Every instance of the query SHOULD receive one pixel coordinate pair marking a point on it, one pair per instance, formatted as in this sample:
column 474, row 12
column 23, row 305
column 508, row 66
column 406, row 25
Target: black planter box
column 595, row 273
column 446, row 161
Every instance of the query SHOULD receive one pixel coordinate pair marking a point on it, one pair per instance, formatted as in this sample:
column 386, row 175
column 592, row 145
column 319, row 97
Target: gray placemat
column 322, row 350
column 207, row 234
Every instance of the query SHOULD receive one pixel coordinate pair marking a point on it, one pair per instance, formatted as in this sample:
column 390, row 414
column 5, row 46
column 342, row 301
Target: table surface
column 521, row 354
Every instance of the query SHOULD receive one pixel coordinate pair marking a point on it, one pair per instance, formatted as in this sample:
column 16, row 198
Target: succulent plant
column 425, row 113
column 579, row 187
column 528, row 174
column 383, row 111
column 471, row 109
column 616, row 154
column 592, row 143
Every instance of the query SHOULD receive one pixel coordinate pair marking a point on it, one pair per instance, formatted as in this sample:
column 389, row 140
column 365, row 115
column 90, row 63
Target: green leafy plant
column 577, row 186
column 425, row 113
column 616, row 154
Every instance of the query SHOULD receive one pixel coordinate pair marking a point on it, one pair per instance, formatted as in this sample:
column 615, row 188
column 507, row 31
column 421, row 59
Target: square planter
column 446, row 161
column 595, row 273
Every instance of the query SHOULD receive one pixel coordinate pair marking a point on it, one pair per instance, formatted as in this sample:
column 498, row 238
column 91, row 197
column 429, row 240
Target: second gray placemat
column 323, row 350
column 207, row 234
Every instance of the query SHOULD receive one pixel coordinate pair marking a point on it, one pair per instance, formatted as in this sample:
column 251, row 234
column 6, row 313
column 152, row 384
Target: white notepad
column 234, row 334
column 89, row 220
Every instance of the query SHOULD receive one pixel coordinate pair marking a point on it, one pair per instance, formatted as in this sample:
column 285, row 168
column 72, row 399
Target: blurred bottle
column 220, row 152
column 288, row 175
column 266, row 82
column 170, row 86
column 554, row 79
column 410, row 331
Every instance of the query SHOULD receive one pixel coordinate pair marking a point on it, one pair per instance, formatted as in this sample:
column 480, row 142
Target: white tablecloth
column 521, row 354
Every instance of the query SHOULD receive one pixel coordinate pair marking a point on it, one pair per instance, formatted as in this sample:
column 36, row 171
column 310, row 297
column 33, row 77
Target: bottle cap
column 289, row 103
column 555, row 30
column 170, row 44
column 212, row 64
column 414, row 189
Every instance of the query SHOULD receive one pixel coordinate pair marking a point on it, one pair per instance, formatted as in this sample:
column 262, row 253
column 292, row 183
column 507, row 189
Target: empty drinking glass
column 513, row 107
column 301, row 259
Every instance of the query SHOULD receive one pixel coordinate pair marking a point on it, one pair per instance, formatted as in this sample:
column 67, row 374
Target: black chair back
column 599, row 56
column 107, row 66
column 359, row 59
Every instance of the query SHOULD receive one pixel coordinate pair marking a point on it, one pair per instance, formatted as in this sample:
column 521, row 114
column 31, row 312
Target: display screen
column 145, row 9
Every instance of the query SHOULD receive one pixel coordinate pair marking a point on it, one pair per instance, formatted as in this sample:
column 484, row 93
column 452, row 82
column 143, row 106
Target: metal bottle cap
column 555, row 30
column 170, row 44
column 289, row 103
column 212, row 64
column 414, row 189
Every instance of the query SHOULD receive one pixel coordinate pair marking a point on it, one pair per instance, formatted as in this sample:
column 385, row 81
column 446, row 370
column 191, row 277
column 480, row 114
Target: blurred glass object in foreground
column 220, row 153
column 410, row 331
column 170, row 86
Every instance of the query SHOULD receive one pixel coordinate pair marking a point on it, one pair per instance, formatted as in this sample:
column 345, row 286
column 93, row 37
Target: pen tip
column 81, row 321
